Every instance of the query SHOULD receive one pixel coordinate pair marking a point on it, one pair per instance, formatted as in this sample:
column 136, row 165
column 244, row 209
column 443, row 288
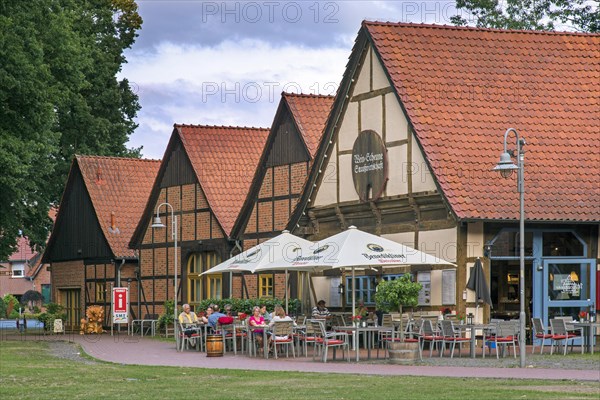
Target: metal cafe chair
column 428, row 334
column 324, row 340
column 539, row 332
column 506, row 334
column 452, row 336
column 560, row 335
column 283, row 335
column 186, row 340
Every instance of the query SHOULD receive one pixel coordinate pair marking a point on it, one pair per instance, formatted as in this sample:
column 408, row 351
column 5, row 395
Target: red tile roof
column 119, row 189
column 23, row 252
column 310, row 113
column 224, row 159
column 15, row 286
column 462, row 88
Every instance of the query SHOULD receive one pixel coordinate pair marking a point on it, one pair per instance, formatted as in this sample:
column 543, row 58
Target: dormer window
column 18, row 270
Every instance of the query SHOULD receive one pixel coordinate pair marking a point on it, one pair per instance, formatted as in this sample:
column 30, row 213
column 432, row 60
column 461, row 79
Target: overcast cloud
column 226, row 63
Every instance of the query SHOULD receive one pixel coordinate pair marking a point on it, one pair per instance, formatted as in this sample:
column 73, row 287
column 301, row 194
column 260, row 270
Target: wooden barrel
column 214, row 346
column 403, row 353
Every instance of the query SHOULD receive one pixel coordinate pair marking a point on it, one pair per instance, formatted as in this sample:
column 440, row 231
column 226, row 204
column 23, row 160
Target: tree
column 59, row 96
column 393, row 295
column 582, row 15
column 31, row 298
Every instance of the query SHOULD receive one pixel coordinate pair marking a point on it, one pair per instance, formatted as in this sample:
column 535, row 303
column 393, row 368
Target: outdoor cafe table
column 369, row 333
column 588, row 333
column 473, row 328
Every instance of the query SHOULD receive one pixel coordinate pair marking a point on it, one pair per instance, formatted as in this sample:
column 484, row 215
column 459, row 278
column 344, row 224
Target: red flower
column 582, row 314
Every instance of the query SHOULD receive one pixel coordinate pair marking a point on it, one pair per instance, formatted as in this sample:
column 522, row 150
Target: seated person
column 204, row 318
column 214, row 317
column 320, row 311
column 228, row 311
column 256, row 319
column 279, row 315
column 362, row 310
column 266, row 315
column 187, row 318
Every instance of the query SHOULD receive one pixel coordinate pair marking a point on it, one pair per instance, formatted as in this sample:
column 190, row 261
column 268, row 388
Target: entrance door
column 569, row 287
column 69, row 299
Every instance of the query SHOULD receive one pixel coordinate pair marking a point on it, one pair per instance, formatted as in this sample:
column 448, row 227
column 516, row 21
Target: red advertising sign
column 120, row 305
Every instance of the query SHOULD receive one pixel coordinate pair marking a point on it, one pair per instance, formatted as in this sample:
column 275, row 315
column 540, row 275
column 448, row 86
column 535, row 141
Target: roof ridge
column 87, row 156
column 228, row 127
column 289, row 94
column 473, row 28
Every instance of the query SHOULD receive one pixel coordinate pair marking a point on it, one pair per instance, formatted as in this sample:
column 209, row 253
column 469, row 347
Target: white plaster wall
column 380, row 80
column 396, row 124
column 363, row 82
column 440, row 243
column 347, row 190
column 349, row 128
column 436, row 288
column 475, row 239
column 371, row 115
column 405, row 238
column 327, row 192
column 321, row 285
column 397, row 184
column 422, row 179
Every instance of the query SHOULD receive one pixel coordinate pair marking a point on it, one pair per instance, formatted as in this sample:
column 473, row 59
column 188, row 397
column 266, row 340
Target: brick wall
column 68, row 275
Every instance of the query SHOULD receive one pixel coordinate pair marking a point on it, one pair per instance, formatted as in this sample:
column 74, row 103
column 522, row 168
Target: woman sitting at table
column 257, row 320
column 204, row 318
column 279, row 315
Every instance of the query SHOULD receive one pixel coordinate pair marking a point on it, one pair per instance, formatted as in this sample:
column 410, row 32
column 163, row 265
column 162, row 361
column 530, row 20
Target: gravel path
column 69, row 351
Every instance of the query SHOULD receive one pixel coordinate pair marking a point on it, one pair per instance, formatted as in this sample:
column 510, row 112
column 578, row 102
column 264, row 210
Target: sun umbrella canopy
column 354, row 248
column 276, row 251
column 478, row 284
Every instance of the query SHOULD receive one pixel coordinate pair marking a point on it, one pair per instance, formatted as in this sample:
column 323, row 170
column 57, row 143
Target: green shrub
column 246, row 305
column 53, row 311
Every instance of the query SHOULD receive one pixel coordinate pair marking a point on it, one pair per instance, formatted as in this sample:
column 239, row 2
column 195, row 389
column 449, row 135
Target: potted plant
column 392, row 296
column 396, row 294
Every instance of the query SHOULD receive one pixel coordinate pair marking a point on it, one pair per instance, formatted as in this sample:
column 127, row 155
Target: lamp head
column 505, row 165
column 157, row 223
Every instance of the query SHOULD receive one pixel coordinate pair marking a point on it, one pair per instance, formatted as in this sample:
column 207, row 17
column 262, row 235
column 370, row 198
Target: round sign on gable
column 369, row 165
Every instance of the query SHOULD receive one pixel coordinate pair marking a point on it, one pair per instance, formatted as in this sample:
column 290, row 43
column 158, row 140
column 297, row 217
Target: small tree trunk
column 401, row 327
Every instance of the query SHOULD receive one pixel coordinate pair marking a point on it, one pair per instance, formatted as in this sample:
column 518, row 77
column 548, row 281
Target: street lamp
column 506, row 167
column 158, row 224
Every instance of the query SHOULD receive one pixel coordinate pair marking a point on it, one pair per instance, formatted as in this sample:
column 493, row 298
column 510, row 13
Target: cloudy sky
column 226, row 63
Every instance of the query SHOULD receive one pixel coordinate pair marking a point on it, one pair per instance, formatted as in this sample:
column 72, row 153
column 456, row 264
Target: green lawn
column 29, row 371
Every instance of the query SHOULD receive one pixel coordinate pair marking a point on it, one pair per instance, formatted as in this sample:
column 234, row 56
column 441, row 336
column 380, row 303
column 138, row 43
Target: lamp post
column 506, row 167
column 158, row 224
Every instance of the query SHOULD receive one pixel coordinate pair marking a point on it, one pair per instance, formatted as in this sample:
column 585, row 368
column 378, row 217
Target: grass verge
column 29, row 370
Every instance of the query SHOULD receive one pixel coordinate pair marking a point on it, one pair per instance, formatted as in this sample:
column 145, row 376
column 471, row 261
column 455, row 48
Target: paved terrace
column 136, row 350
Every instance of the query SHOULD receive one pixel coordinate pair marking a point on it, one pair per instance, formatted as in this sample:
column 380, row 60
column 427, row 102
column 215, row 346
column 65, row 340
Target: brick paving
column 136, row 350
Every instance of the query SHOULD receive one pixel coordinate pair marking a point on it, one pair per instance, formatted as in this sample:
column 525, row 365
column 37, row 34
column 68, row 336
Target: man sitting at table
column 321, row 312
column 187, row 318
column 214, row 317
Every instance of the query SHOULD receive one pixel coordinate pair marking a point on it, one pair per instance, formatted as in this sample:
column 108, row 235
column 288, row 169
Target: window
column 265, row 285
column 18, row 270
column 197, row 263
column 194, row 281
column 100, row 291
column 561, row 244
column 507, row 243
column 366, row 287
column 214, row 286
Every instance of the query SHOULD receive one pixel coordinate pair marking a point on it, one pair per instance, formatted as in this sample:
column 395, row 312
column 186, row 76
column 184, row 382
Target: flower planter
column 403, row 353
